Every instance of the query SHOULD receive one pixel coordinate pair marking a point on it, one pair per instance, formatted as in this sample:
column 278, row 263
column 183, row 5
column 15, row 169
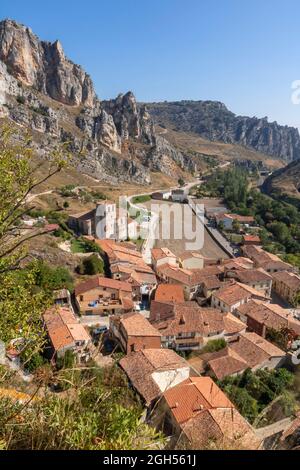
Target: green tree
column 18, row 180
column 91, row 265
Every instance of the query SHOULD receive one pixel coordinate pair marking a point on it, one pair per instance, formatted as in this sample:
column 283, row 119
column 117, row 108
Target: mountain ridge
column 212, row 120
column 43, row 90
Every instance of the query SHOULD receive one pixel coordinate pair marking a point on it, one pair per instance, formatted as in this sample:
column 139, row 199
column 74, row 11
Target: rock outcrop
column 213, row 121
column 40, row 88
column 43, row 65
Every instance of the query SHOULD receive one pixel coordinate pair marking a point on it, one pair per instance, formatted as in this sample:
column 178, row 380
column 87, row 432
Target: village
column 183, row 324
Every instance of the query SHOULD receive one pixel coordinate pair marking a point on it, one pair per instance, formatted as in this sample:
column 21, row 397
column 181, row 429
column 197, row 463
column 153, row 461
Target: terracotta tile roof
column 254, row 349
column 240, row 218
column 136, row 324
column 235, row 292
column 212, row 282
column 140, row 365
column 220, row 428
column 248, row 350
column 84, row 215
column 169, row 292
column 141, row 277
column 251, row 238
column 190, row 254
column 175, row 273
column 160, row 253
column 265, row 259
column 187, row 318
column 253, row 275
column 227, row 364
column 239, row 262
column 271, row 315
column 64, row 328
column 194, row 395
column 102, row 282
column 289, row 279
column 127, row 304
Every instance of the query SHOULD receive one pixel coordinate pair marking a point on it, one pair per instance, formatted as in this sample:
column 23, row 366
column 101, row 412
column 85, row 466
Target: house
column 134, row 332
column 83, row 223
column 66, row 333
column 256, row 278
column 160, row 256
column 251, row 240
column 62, row 297
column 153, row 371
column 190, row 279
column 106, row 221
column 178, row 195
column 228, row 219
column 247, row 350
column 287, row 286
column 103, row 296
column 268, row 261
column 262, row 317
column 191, row 260
column 196, row 414
column 238, row 263
column 143, row 283
column 232, row 295
column 186, row 326
column 169, row 293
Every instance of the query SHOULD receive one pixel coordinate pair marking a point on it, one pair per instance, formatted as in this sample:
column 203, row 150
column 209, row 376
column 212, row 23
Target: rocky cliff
column 40, row 88
column 213, row 121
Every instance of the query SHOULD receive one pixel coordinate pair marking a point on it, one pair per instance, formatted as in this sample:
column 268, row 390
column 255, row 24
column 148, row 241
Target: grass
column 141, row 198
column 78, row 246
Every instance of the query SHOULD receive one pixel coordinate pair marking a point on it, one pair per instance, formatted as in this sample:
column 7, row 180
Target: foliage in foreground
column 97, row 412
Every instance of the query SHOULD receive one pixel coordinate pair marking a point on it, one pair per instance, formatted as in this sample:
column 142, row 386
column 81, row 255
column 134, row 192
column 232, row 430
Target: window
column 81, row 298
column 132, row 347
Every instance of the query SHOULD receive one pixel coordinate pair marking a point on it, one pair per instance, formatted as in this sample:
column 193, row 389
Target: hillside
column 285, row 181
column 213, row 121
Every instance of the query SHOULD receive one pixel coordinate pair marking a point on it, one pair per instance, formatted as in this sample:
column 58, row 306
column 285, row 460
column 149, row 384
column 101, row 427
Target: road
column 31, row 197
column 207, row 246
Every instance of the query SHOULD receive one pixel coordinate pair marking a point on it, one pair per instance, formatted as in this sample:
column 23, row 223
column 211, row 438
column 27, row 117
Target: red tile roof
column 136, row 324
column 102, row 282
column 169, row 292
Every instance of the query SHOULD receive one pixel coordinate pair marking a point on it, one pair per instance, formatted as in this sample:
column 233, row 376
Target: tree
column 20, row 304
column 18, row 179
column 236, row 226
column 244, row 402
column 91, row 265
column 50, row 279
column 181, row 181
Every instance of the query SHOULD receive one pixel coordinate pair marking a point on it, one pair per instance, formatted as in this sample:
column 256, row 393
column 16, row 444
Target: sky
column 244, row 53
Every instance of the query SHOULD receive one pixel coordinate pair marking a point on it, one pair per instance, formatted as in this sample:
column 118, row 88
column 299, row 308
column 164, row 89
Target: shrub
column 91, row 265
column 20, row 99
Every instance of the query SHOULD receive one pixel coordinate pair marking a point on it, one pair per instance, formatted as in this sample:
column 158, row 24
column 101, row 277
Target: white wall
column 169, row 378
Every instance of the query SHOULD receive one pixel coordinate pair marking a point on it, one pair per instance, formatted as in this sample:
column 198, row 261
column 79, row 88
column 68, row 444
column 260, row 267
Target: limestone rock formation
column 213, row 121
column 43, row 65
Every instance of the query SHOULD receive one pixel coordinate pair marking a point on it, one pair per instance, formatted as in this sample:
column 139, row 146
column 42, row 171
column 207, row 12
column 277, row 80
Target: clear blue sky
column 245, row 53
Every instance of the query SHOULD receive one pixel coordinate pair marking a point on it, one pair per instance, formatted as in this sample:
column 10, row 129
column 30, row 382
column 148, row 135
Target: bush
column 140, row 199
column 91, row 265
column 20, row 99
column 50, row 279
column 214, row 345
